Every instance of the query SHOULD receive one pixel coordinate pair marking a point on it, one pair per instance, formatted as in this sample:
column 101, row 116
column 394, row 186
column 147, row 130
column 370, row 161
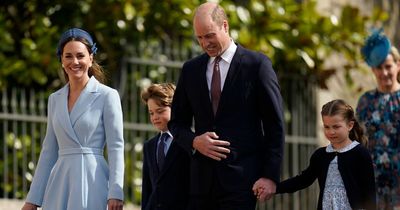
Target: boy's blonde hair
column 161, row 93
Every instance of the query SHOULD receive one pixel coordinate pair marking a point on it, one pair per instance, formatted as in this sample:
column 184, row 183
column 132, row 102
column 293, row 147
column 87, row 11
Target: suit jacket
column 71, row 172
column 249, row 116
column 167, row 189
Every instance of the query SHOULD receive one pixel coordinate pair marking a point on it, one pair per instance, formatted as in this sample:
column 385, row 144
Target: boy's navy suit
column 167, row 189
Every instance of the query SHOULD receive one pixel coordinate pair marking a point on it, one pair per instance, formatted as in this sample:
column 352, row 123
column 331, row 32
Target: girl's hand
column 264, row 189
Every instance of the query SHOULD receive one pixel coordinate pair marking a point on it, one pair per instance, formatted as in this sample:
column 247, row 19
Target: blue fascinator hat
column 376, row 48
column 75, row 33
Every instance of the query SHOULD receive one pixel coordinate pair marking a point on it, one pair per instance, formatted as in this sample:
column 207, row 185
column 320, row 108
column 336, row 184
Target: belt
column 80, row 150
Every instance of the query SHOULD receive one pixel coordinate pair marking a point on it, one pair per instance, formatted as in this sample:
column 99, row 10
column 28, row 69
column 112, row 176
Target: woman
column 379, row 111
column 83, row 116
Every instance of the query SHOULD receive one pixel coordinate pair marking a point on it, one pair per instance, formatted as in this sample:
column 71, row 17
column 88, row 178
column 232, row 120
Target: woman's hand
column 29, row 206
column 115, row 204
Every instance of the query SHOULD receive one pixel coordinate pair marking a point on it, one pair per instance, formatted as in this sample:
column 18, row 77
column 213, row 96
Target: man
column 233, row 96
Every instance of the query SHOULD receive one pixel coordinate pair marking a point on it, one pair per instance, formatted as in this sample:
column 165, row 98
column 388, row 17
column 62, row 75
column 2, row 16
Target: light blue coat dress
column 72, row 173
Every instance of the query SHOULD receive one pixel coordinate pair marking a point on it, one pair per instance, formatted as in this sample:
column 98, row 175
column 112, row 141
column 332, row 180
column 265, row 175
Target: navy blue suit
column 167, row 189
column 249, row 116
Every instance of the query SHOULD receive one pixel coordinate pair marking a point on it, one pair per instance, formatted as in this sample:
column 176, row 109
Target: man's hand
column 207, row 145
column 264, row 189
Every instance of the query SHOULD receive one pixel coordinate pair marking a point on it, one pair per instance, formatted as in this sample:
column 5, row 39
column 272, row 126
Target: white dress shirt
column 224, row 63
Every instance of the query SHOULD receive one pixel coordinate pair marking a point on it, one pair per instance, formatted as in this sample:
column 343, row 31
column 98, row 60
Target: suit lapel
column 234, row 69
column 62, row 112
column 204, row 91
column 153, row 157
column 85, row 100
column 169, row 159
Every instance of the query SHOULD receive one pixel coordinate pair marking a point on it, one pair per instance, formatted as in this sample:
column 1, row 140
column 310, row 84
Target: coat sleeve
column 182, row 115
column 301, row 181
column 271, row 109
column 113, row 123
column 47, row 159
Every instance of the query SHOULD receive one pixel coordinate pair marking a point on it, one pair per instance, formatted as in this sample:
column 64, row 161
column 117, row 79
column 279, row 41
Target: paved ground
column 7, row 204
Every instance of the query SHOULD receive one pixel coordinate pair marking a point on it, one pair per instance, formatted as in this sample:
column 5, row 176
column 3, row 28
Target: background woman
column 378, row 110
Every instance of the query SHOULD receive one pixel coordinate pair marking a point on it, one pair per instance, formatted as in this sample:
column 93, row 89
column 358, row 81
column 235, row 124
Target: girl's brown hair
column 340, row 107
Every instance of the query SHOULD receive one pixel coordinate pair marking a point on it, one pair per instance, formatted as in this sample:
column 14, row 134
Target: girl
column 343, row 168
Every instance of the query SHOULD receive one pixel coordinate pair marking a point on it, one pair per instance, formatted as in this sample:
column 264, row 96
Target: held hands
column 29, row 206
column 207, row 145
column 264, row 189
column 115, row 204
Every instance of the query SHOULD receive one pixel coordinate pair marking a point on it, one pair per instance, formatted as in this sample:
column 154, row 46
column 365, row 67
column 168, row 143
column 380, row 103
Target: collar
column 353, row 144
column 169, row 133
column 228, row 54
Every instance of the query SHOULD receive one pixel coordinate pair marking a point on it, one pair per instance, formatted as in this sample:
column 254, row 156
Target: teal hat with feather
column 376, row 48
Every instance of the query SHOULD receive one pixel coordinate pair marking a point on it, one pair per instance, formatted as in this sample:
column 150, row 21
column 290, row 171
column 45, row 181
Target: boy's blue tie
column 160, row 151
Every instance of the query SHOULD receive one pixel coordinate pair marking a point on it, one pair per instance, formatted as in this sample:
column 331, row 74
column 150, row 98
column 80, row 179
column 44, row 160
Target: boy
column 165, row 165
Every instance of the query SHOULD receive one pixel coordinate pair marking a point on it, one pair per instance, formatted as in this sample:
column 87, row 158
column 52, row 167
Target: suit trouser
column 220, row 199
